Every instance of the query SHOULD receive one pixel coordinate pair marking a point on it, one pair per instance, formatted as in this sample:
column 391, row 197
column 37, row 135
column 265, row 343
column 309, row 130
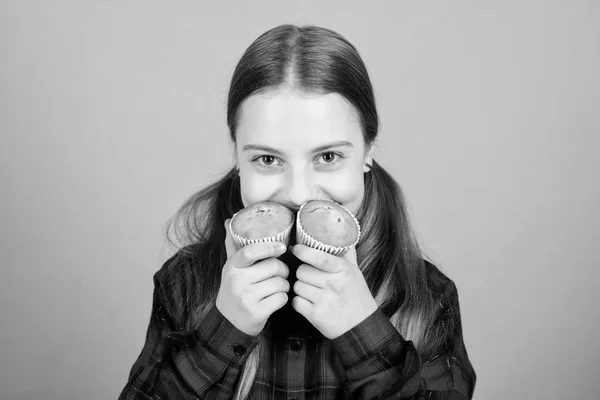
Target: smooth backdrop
column 113, row 112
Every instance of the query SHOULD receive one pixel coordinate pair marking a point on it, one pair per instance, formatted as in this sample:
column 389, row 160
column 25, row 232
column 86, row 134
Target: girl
column 266, row 322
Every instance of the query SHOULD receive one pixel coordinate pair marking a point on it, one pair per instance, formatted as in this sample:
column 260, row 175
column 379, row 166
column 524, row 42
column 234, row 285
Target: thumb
column 230, row 245
column 350, row 255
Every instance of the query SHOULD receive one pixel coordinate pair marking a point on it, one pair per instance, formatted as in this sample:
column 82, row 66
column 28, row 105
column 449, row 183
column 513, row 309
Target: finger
column 303, row 306
column 311, row 275
column 254, row 252
column 324, row 261
column 266, row 269
column 307, row 291
column 270, row 286
column 274, row 302
column 350, row 255
column 230, row 245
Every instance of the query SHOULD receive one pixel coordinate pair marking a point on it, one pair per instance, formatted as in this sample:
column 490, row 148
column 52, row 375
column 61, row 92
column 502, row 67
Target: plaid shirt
column 370, row 361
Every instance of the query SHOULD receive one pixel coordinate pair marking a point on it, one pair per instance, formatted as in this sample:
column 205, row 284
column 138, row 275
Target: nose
column 298, row 189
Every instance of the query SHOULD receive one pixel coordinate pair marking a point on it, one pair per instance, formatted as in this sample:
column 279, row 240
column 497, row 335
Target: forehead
column 289, row 118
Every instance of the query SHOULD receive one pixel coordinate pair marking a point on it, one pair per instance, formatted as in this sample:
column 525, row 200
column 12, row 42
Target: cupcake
column 328, row 226
column 262, row 222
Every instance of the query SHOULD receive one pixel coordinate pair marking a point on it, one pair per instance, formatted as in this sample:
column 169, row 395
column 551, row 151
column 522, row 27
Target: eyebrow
column 341, row 143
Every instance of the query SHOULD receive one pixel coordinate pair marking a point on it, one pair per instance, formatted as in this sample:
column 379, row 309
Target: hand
column 253, row 284
column 332, row 293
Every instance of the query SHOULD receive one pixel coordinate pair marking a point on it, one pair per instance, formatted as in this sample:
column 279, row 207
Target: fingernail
column 281, row 248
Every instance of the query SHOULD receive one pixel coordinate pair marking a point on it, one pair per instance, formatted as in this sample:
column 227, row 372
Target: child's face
column 292, row 147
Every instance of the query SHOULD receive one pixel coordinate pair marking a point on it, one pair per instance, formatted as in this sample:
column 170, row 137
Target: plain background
column 113, row 113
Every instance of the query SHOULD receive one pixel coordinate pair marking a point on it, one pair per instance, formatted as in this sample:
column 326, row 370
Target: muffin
column 262, row 222
column 328, row 226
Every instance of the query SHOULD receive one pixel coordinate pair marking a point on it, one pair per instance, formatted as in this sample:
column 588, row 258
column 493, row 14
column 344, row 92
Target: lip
column 292, row 208
column 295, row 208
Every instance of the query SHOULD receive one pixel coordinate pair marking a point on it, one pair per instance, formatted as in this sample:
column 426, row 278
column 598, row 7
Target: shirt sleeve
column 381, row 364
column 204, row 363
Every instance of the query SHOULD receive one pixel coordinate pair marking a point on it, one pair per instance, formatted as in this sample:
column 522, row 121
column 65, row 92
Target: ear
column 368, row 158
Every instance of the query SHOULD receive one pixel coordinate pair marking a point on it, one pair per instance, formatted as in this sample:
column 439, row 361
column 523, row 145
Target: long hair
column 314, row 60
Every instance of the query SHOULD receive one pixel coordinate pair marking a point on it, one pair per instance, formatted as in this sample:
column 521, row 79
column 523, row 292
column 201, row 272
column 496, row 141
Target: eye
column 328, row 157
column 268, row 160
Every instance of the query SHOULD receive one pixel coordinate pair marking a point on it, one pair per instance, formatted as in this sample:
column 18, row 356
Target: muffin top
column 329, row 223
column 262, row 220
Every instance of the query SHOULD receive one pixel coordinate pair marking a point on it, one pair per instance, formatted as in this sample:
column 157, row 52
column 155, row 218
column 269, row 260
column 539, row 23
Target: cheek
column 347, row 189
column 254, row 188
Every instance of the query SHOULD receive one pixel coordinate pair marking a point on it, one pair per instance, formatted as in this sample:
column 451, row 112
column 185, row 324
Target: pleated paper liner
column 304, row 238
